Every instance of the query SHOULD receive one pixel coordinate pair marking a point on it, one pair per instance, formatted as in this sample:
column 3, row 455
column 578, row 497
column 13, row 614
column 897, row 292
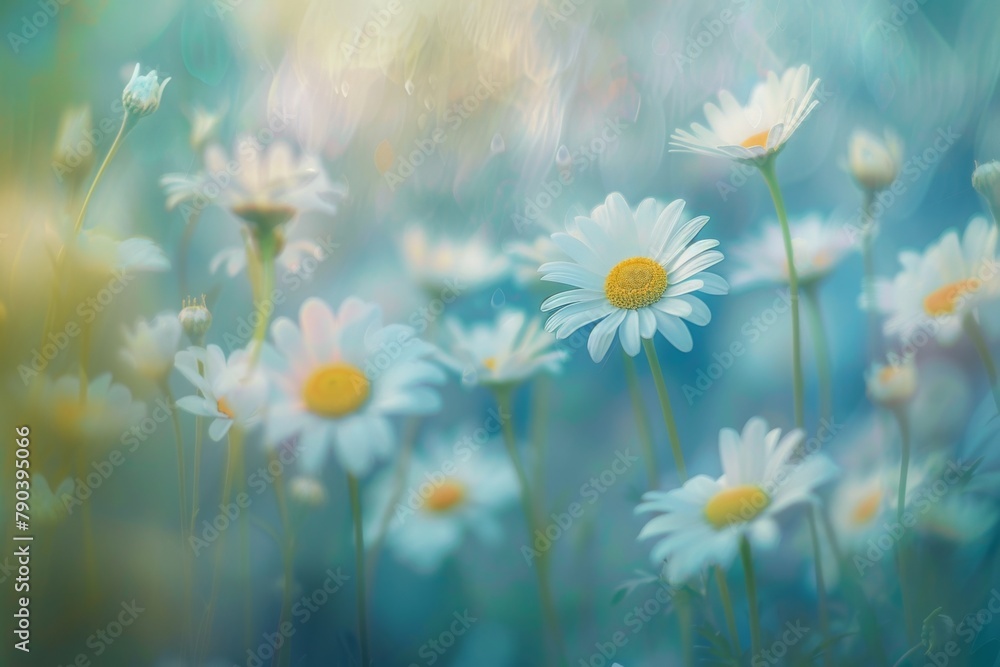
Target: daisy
column 527, row 256
column 441, row 263
column 100, row 255
column 893, row 385
column 339, row 376
column 151, row 346
column 759, row 130
column 939, row 289
column 634, row 275
column 704, row 522
column 447, row 496
column 874, row 163
column 102, row 418
column 230, row 391
column 292, row 252
column 818, row 248
column 504, row 353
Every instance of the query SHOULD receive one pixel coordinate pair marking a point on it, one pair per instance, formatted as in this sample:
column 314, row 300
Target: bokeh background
column 551, row 77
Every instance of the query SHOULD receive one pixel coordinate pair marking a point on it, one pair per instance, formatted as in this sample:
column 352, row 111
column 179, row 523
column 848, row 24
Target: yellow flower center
column 635, row 283
column 222, row 405
column 866, row 510
column 336, row 390
column 738, row 504
column 945, row 301
column 490, row 363
column 887, row 374
column 69, row 413
column 446, row 496
column 759, row 139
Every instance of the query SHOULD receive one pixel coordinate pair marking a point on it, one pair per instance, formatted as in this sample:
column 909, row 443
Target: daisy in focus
column 151, row 346
column 937, row 289
column 438, row 263
column 703, row 522
column 758, row 130
column 451, row 492
column 504, row 353
column 818, row 248
column 634, row 275
column 230, row 391
column 338, row 378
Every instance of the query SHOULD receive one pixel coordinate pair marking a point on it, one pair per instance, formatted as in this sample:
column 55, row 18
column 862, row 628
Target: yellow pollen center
column 736, row 505
column 69, row 414
column 865, row 510
column 886, row 375
column 446, row 496
column 490, row 363
column 336, row 390
column 759, row 139
column 945, row 301
column 635, row 283
column 222, row 405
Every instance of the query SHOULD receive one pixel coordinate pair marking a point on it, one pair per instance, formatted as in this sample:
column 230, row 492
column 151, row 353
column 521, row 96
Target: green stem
column 767, row 170
column 747, row 558
column 504, row 403
column 539, row 412
column 668, row 413
column 868, row 260
column 186, row 564
column 822, row 348
column 267, row 255
column 685, row 621
column 979, row 341
column 908, row 654
column 359, row 557
column 904, row 462
column 122, row 131
column 642, row 421
column 241, row 487
column 824, row 618
column 287, row 557
column 727, row 608
column 85, row 331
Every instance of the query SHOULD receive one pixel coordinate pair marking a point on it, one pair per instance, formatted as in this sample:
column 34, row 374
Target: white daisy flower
column 151, row 346
column 817, row 248
column 440, row 263
column 448, row 495
column 527, row 256
column 264, row 186
column 99, row 254
column 292, row 252
column 938, row 288
column 340, row 375
column 634, row 274
column 892, row 385
column 231, row 391
column 102, row 419
column 758, row 130
column 703, row 522
column 506, row 352
column 874, row 163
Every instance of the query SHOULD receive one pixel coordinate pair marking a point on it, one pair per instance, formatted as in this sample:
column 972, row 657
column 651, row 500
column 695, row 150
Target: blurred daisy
column 447, row 497
column 938, row 288
column 339, row 376
column 503, row 353
column 703, row 522
column 106, row 414
column 292, row 252
column 204, row 124
column 758, row 130
column 892, row 385
column 438, row 264
column 230, row 391
column 818, row 248
column 874, row 163
column 307, row 490
column 960, row 518
column 100, row 255
column 634, row 275
column 46, row 504
column 264, row 186
column 151, row 346
column 527, row 256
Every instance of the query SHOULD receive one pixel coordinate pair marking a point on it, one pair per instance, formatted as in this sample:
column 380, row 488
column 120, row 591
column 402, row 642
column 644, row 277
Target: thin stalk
column 668, row 413
column 539, row 413
column 868, row 260
column 186, row 564
column 824, row 617
column 747, row 558
column 642, row 422
column 727, row 608
column 767, row 170
column 359, row 557
column 685, row 619
column 818, row 329
column 241, row 487
column 530, row 516
column 904, row 462
column 122, row 131
column 979, row 341
column 85, row 331
column 906, row 655
column 287, row 558
column 267, row 251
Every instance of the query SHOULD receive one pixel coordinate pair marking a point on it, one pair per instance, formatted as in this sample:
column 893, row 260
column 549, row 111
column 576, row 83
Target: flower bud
column 893, row 385
column 874, row 163
column 986, row 181
column 195, row 318
column 141, row 96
